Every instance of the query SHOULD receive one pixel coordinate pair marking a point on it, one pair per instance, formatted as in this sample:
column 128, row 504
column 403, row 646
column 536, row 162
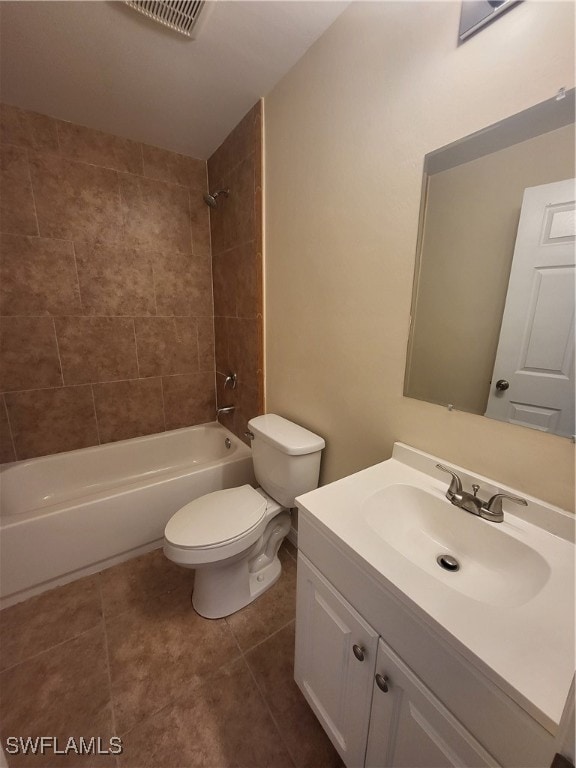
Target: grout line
column 51, row 647
column 136, row 350
column 78, row 281
column 277, row 725
column 107, row 657
column 95, row 414
column 59, row 358
column 163, row 402
column 32, row 191
column 9, row 427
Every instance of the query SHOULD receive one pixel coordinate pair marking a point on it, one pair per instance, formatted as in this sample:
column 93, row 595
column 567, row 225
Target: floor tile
column 272, row 663
column 138, row 581
column 159, row 650
column 41, row 622
column 62, row 692
column 223, row 722
column 271, row 611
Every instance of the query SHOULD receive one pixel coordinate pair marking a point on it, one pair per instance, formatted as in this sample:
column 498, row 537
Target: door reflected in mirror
column 493, row 302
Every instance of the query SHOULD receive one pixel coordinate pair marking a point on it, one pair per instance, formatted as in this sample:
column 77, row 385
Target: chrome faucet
column 489, row 510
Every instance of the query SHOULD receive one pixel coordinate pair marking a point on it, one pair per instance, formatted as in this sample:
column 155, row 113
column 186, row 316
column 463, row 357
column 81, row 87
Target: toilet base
column 223, row 589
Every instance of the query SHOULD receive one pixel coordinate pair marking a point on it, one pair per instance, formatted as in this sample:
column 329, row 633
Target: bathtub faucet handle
column 232, row 380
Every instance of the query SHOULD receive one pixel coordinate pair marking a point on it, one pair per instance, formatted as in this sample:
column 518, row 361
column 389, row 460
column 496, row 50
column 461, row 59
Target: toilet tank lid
column 288, row 437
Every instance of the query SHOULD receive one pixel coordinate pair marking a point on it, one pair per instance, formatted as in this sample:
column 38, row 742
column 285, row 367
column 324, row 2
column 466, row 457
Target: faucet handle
column 494, row 504
column 455, row 483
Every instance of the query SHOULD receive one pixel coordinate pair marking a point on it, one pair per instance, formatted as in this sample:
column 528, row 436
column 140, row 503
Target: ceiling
column 103, row 65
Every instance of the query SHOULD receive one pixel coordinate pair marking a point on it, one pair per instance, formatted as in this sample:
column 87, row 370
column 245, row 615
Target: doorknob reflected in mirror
column 502, row 385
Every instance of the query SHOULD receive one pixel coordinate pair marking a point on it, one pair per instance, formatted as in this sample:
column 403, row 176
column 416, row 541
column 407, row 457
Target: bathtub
column 71, row 514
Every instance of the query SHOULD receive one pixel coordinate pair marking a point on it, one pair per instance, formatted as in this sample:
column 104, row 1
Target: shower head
column 212, row 199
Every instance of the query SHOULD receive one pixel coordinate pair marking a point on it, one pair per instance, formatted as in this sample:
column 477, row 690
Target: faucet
column 489, row 510
column 225, row 409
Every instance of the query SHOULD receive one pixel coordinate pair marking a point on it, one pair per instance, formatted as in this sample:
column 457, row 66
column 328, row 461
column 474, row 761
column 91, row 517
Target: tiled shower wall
column 236, row 227
column 105, row 294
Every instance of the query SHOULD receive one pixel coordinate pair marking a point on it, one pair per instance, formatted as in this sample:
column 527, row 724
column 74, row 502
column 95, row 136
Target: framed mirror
column 492, row 328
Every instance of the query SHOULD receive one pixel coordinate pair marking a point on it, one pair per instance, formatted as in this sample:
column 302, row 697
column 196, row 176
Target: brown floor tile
column 134, row 583
column 272, row 663
column 158, row 651
column 223, row 722
column 33, row 626
column 271, row 611
column 62, row 692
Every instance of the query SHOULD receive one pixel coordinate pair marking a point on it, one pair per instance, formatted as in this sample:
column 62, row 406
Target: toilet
column 232, row 537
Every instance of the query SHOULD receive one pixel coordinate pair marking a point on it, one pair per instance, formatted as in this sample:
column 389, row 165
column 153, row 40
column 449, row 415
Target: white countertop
column 527, row 648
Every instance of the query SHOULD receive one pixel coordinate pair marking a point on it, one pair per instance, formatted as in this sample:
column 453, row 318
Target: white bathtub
column 75, row 513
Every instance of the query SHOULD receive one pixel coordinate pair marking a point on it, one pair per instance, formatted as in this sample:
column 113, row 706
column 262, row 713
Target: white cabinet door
column 410, row 728
column 334, row 663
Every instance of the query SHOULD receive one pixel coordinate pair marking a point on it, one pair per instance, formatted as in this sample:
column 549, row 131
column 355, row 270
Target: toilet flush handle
column 249, row 435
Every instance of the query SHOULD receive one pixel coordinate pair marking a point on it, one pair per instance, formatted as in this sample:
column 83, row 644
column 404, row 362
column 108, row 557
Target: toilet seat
column 216, row 519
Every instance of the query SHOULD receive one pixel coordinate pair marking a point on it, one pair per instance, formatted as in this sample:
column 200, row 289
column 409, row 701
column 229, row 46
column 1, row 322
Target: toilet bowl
column 231, row 537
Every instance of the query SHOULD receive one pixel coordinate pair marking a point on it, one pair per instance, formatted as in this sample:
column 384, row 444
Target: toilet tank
column 286, row 457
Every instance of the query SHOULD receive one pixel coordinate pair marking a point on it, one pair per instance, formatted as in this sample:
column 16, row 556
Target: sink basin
column 495, row 568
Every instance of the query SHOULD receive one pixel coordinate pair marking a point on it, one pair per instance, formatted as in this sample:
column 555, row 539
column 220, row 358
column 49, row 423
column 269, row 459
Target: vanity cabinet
column 374, row 708
column 335, row 660
column 410, row 727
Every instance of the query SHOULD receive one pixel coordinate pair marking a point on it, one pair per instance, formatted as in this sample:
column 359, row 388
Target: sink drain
column 448, row 562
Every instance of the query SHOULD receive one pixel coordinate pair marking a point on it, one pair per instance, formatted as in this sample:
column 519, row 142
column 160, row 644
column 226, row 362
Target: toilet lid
column 216, row 518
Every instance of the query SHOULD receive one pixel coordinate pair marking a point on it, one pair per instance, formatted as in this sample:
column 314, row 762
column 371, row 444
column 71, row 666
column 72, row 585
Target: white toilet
column 232, row 536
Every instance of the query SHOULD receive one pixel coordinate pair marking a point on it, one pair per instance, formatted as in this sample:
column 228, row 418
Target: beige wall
column 471, row 221
column 346, row 132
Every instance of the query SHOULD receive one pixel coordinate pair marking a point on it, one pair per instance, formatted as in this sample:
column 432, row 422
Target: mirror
column 492, row 328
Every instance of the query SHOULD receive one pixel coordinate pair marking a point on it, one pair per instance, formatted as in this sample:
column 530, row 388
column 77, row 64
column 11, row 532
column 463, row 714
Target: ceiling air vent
column 180, row 15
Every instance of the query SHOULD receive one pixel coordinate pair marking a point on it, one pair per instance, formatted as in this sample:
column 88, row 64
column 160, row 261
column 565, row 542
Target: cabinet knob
column 358, row 652
column 382, row 682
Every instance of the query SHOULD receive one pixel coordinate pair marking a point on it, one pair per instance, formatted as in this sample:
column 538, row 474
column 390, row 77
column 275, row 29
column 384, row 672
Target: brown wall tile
column 189, row 399
column 166, row 345
column 75, row 201
column 200, row 221
column 233, row 222
column 223, row 363
column 97, row 148
column 183, row 284
column 28, row 354
column 37, row 277
column 164, row 165
column 115, row 280
column 108, row 237
column 156, row 214
column 27, row 129
column 17, row 212
column 126, row 409
column 244, row 349
column 7, row 452
column 94, row 349
column 224, row 280
column 236, row 147
column 52, row 420
column 206, row 359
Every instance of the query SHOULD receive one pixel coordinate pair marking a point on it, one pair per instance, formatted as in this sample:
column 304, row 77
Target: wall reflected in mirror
column 492, row 328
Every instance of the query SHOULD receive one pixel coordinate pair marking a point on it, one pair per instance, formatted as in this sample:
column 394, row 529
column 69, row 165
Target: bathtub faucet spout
column 226, row 409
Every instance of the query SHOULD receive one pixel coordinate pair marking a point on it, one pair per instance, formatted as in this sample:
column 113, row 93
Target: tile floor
column 123, row 653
